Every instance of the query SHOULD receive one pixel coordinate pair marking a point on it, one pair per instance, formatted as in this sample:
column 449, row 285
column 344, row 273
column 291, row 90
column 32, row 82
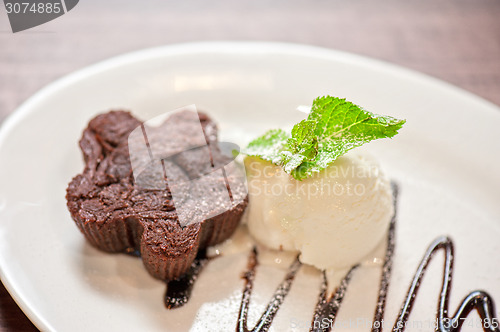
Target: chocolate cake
column 117, row 215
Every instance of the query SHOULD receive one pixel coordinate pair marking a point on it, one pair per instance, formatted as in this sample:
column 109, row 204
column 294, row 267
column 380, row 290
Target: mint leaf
column 302, row 146
column 268, row 146
column 333, row 127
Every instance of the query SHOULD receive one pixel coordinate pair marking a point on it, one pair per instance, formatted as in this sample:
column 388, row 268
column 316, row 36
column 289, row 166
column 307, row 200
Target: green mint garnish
column 333, row 127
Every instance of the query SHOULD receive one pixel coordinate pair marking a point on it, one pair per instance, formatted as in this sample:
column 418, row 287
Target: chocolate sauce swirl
column 327, row 308
column 281, row 292
column 479, row 300
column 179, row 290
column 387, row 267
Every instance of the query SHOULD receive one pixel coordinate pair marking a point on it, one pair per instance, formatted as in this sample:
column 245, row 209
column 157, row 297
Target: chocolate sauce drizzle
column 328, row 308
column 179, row 290
column 281, row 292
column 378, row 318
column 479, row 300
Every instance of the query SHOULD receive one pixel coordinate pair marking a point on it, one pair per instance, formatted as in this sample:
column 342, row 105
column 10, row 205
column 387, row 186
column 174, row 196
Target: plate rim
column 26, row 108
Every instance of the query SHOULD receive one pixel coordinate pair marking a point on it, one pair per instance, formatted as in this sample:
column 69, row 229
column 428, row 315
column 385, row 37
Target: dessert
column 332, row 207
column 117, row 215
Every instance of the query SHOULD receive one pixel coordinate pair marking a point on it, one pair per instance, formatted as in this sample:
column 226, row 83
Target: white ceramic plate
column 445, row 160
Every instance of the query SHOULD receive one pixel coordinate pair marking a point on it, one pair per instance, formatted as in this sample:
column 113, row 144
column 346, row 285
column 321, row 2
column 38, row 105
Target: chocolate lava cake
column 117, row 215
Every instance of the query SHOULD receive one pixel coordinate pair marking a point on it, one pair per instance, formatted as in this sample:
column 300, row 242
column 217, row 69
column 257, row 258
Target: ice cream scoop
column 334, row 218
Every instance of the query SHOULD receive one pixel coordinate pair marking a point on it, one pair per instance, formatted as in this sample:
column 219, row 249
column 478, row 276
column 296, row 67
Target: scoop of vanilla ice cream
column 334, row 218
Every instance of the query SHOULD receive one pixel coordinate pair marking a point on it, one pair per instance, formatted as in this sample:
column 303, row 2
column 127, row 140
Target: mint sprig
column 333, row 127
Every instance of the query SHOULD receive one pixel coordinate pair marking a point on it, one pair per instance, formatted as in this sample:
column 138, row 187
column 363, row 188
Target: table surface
column 457, row 41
